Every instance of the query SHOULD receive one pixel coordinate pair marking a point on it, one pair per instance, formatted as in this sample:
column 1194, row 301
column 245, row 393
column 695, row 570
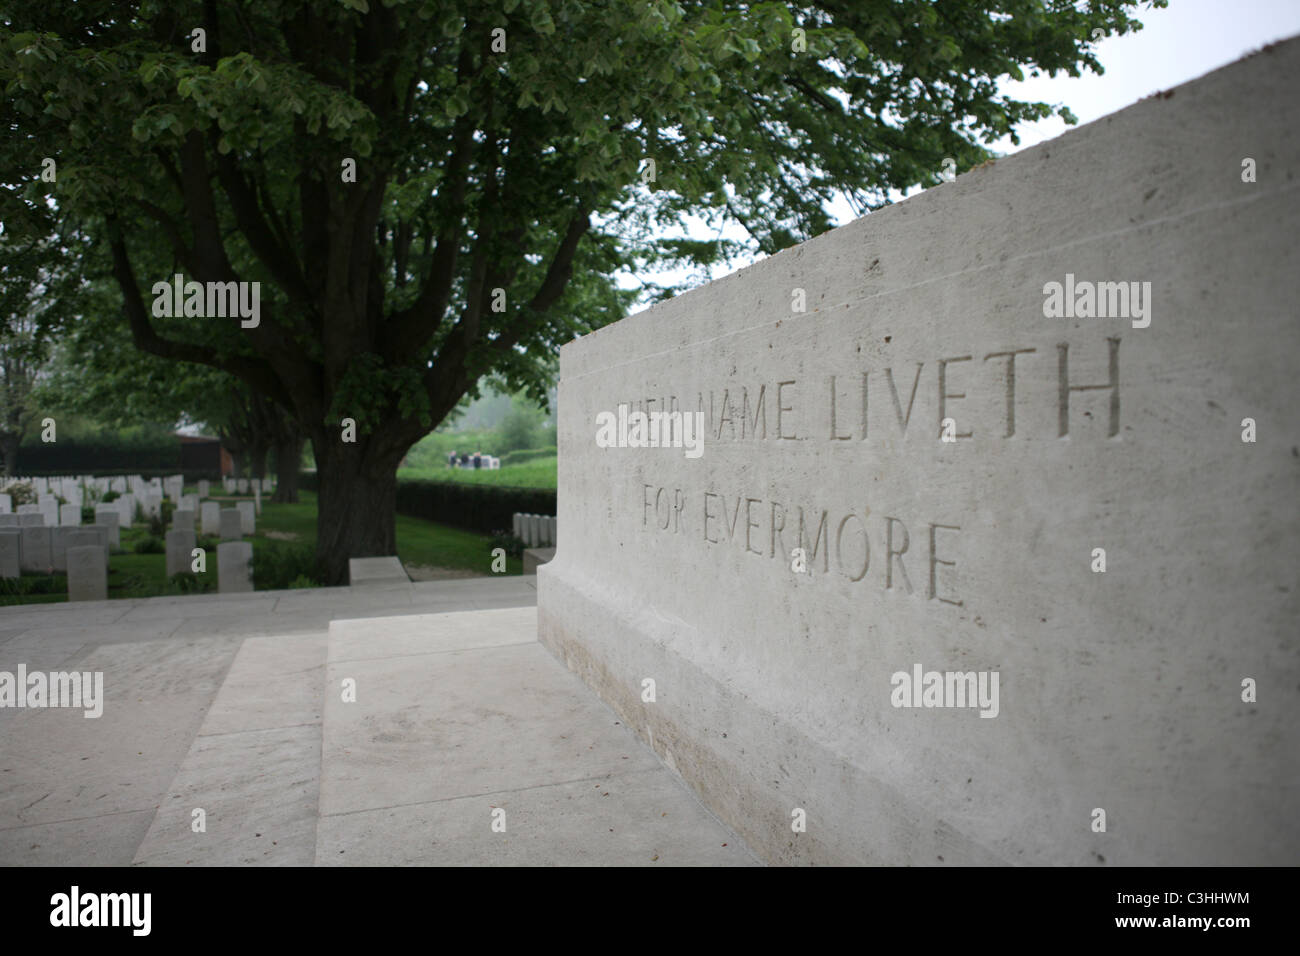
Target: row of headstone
column 234, row 558
column 244, row 486
column 39, row 549
column 537, row 531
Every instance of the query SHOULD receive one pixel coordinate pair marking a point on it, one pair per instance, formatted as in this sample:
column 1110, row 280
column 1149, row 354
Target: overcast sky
column 1187, row 39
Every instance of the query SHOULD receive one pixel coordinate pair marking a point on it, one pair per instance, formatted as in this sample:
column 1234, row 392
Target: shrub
column 22, row 492
column 159, row 523
column 110, row 496
column 34, row 584
column 189, row 583
column 513, row 546
column 150, row 544
column 280, row 564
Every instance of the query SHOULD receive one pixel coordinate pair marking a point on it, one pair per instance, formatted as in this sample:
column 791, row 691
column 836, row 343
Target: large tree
column 502, row 153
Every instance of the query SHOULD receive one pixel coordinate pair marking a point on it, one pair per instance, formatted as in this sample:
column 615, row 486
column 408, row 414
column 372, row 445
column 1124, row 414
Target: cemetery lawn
column 539, row 473
column 135, row 575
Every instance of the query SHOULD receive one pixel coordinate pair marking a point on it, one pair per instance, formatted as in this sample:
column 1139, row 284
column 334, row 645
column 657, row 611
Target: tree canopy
column 431, row 190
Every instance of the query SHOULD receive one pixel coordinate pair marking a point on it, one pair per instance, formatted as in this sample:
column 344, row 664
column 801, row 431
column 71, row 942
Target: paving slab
column 371, row 638
column 257, row 790
column 56, row 765
column 644, row 818
column 106, row 840
column 273, row 682
column 461, row 713
column 376, row 572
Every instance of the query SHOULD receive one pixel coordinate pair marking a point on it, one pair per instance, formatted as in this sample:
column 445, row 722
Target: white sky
column 1185, row 40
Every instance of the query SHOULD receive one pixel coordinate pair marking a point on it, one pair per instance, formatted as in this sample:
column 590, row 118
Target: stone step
column 377, row 572
column 462, row 719
column 254, row 767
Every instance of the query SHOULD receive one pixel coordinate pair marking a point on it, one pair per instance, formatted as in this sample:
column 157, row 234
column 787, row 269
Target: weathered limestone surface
column 1121, row 690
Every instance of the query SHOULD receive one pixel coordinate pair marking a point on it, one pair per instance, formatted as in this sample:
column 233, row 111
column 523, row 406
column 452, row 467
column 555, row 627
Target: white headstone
column 70, row 516
column 204, row 486
column 247, row 517
column 183, row 520
column 232, row 524
column 125, row 510
column 210, row 512
column 87, row 573
column 108, row 516
column 180, row 548
column 59, row 546
column 36, row 554
column 234, row 572
column 11, row 549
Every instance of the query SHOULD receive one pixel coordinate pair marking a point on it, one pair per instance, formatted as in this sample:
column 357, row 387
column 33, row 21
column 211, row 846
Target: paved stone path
column 234, row 705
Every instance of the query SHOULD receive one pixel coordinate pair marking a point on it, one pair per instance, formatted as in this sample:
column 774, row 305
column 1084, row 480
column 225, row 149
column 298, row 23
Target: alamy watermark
column 75, row 908
column 1098, row 300
column 946, row 689
column 207, row 300
column 83, row 689
column 652, row 430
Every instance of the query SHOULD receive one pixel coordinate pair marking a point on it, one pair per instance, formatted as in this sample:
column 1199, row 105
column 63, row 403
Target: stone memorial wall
column 975, row 539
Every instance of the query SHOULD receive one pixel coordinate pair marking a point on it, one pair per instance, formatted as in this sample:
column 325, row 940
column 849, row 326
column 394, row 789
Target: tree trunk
column 288, row 458
column 9, row 445
column 257, row 461
column 356, row 504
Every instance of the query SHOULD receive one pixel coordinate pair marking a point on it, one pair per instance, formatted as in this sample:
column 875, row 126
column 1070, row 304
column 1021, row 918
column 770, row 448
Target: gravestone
column 922, row 478
column 29, row 509
column 211, row 517
column 36, row 548
column 6, row 504
column 108, row 516
column 248, row 521
column 204, row 486
column 234, row 572
column 183, row 520
column 188, row 503
column 31, row 520
column 232, row 524
column 59, row 546
column 257, row 499
column 180, row 550
column 50, row 512
column 10, row 552
column 125, row 510
column 87, row 573
column 243, row 486
column 9, row 521
column 85, row 536
column 70, row 516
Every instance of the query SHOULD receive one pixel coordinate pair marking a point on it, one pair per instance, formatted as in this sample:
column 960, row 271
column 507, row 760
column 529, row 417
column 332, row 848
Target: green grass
column 539, row 473
column 134, row 575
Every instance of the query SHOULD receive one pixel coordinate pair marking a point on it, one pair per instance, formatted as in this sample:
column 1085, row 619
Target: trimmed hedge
column 100, row 455
column 526, row 454
column 485, row 508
